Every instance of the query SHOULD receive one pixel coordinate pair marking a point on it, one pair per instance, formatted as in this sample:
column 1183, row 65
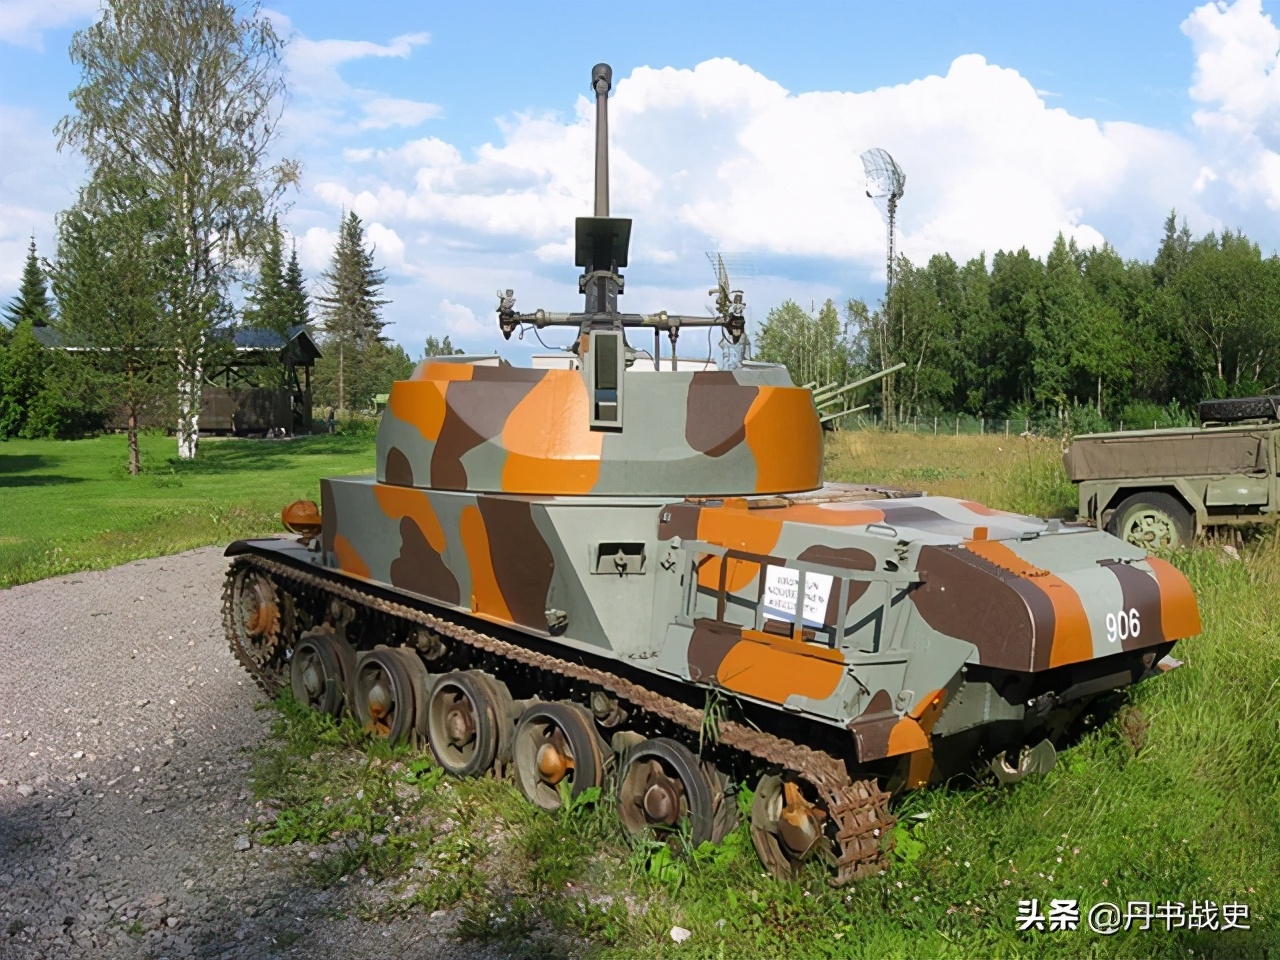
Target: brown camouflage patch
column 849, row 558
column 1009, row 620
column 716, row 411
column 678, row 520
column 398, row 471
column 328, row 517
column 487, row 404
column 522, row 561
column 420, row 569
column 872, row 728
column 1141, row 593
column 709, row 645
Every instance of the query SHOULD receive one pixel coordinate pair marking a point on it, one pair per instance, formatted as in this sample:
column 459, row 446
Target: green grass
column 1022, row 474
column 1190, row 810
column 71, row 505
column 1183, row 810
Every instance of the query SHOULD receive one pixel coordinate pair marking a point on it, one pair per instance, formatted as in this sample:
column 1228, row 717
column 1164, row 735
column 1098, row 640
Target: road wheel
column 786, row 828
column 1153, row 520
column 556, row 742
column 661, row 786
column 320, row 670
column 464, row 717
column 382, row 695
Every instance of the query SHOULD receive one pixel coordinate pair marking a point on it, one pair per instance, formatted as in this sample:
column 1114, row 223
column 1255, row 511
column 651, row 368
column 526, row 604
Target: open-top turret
column 601, row 577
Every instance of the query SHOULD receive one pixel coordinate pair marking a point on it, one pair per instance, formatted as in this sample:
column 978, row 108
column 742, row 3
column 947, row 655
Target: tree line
column 1082, row 334
column 176, row 113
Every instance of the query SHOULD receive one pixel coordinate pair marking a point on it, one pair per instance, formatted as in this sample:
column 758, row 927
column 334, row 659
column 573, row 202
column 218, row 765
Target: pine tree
column 350, row 305
column 32, row 302
column 267, row 306
column 297, row 307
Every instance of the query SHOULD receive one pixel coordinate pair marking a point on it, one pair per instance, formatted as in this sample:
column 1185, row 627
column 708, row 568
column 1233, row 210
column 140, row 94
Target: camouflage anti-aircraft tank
column 594, row 575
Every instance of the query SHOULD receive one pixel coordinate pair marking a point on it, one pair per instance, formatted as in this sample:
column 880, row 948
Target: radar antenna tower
column 885, row 181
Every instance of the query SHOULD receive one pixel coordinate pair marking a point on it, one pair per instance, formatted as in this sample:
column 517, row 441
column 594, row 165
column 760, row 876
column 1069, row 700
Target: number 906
column 1124, row 625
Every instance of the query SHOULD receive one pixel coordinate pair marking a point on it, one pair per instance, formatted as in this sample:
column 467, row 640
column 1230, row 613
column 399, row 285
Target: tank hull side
column 895, row 613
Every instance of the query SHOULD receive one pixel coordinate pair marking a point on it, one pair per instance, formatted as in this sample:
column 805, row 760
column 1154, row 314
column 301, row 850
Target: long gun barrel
column 821, row 399
column 601, row 81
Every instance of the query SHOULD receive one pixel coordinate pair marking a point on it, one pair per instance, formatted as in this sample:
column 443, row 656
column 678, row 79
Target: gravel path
column 125, row 736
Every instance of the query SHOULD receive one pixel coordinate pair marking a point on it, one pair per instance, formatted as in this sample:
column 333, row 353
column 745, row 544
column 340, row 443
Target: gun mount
column 601, row 245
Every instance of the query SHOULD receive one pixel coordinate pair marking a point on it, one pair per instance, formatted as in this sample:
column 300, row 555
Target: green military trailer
column 1161, row 488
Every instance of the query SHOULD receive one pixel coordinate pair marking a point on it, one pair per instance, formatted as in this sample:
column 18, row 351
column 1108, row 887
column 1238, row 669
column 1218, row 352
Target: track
column 859, row 822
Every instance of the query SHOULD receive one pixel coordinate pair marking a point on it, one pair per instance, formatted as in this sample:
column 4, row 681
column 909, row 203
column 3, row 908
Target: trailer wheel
column 1152, row 520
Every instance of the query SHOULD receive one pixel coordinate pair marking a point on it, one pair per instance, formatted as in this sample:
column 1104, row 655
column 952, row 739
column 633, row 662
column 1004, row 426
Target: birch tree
column 186, row 95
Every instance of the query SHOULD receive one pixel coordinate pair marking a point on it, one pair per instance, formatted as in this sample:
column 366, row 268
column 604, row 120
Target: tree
column 117, row 253
column 350, row 305
column 297, row 307
column 42, row 391
column 811, row 348
column 186, row 95
column 440, row 348
column 267, row 306
column 32, row 302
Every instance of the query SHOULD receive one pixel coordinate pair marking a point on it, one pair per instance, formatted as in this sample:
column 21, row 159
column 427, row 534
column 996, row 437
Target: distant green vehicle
column 1161, row 488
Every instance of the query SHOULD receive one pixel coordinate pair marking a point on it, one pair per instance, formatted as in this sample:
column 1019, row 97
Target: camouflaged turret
column 638, row 580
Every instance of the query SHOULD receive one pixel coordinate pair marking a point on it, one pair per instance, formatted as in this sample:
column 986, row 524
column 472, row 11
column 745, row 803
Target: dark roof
column 243, row 338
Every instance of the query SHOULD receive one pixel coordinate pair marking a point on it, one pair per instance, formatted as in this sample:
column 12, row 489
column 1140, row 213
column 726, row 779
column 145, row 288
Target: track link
column 861, row 824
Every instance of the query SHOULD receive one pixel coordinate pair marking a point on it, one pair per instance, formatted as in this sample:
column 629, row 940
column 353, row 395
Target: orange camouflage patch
column 420, row 403
column 1179, row 614
column 1072, row 635
column 550, row 446
column 397, row 502
column 486, row 595
column 906, row 737
column 772, row 674
column 926, row 713
column 782, row 418
column 349, row 559
column 830, row 514
column 737, row 530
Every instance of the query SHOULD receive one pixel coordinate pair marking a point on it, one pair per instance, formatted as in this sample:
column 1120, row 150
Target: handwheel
column 465, row 714
column 319, row 670
column 383, row 695
column 786, row 829
column 556, row 742
column 661, row 786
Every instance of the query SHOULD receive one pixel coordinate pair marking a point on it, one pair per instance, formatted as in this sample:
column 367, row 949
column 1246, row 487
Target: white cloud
column 386, row 112
column 324, row 105
column 313, row 64
column 460, row 322
column 721, row 157
column 23, row 22
column 1237, row 83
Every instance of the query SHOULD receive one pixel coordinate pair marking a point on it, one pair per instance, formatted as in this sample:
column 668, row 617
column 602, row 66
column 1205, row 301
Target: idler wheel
column 555, row 743
column 786, row 829
column 259, row 621
column 662, row 786
column 383, row 695
column 467, row 713
column 322, row 666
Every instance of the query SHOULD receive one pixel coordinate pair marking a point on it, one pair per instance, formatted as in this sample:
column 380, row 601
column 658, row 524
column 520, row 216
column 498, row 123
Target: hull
column 923, row 618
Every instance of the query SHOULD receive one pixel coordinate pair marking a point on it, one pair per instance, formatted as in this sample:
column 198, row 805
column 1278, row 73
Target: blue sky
column 461, row 135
